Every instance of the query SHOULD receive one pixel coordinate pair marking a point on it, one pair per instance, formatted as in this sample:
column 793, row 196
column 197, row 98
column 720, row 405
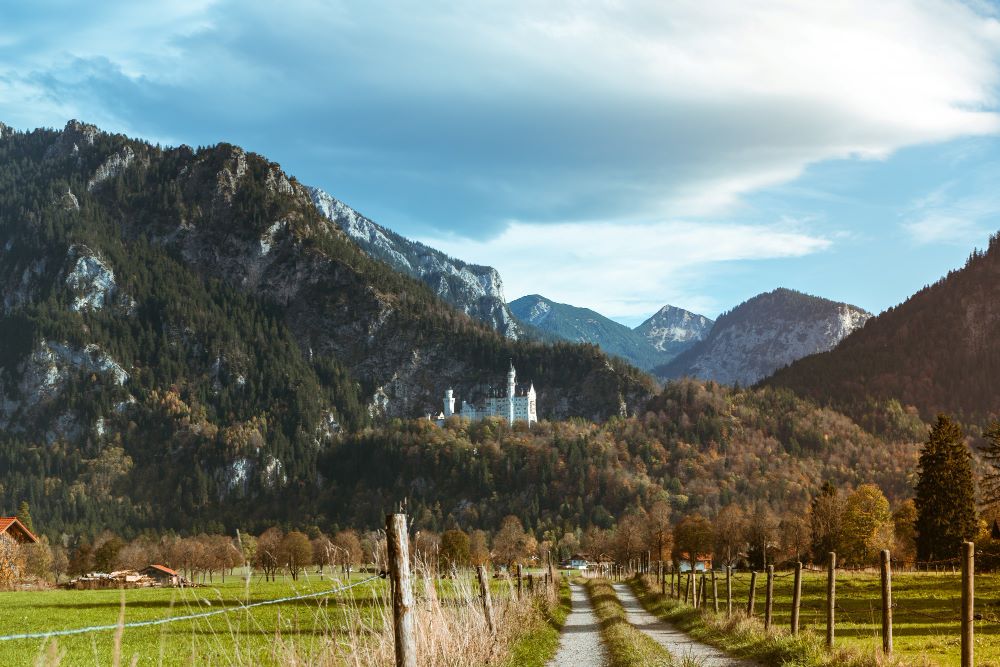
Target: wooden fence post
column 753, row 592
column 519, row 581
column 663, row 578
column 769, row 598
column 484, row 593
column 531, row 584
column 968, row 601
column 687, row 587
column 715, row 591
column 796, row 597
column 397, row 543
column 886, row 603
column 831, row 597
column 729, row 590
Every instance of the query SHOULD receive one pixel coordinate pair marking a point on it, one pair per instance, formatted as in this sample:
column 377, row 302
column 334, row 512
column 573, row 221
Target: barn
column 11, row 528
column 162, row 574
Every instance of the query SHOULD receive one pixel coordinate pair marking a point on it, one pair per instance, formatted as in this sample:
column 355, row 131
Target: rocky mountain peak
column 765, row 333
column 674, row 329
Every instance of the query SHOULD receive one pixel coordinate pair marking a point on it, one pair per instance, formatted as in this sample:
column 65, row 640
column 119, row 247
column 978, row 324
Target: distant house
column 577, row 562
column 162, row 574
column 702, row 563
column 11, row 528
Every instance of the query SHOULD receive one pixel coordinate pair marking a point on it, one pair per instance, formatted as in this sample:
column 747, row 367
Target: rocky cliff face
column 764, row 334
column 673, row 330
column 475, row 290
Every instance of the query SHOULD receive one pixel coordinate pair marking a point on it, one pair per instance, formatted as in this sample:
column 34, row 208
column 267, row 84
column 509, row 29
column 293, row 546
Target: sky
column 613, row 155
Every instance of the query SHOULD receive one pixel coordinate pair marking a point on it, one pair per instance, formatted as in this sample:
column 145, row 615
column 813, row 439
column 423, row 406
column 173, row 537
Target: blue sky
column 615, row 155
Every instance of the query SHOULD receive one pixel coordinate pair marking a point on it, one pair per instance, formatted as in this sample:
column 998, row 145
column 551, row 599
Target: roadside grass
column 348, row 628
column 627, row 646
column 858, row 640
column 540, row 640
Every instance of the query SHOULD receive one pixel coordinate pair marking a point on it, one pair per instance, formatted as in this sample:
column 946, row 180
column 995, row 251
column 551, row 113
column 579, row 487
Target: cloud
column 949, row 215
column 461, row 117
column 626, row 271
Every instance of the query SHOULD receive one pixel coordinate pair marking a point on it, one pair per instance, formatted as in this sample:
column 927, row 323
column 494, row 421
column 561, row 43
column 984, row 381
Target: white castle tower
column 449, row 403
column 511, row 392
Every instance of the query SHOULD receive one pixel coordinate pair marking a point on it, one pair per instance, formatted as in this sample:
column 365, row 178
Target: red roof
column 11, row 525
column 164, row 569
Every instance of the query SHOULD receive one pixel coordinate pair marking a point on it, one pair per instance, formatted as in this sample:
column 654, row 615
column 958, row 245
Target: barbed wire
column 186, row 617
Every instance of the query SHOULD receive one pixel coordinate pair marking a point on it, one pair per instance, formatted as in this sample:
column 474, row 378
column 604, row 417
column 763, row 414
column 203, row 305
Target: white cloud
column 625, row 270
column 946, row 216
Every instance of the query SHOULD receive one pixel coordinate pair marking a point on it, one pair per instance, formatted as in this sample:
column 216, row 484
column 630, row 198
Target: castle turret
column 449, row 403
column 511, row 390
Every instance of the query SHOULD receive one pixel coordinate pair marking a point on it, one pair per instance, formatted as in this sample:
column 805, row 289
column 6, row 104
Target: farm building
column 11, row 528
column 163, row 574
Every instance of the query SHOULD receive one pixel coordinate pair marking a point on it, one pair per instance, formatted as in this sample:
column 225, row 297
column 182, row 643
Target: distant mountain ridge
column 763, row 334
column 937, row 351
column 654, row 342
column 473, row 289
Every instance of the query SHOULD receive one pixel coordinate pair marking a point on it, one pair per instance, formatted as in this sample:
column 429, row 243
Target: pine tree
column 24, row 514
column 991, row 454
column 946, row 505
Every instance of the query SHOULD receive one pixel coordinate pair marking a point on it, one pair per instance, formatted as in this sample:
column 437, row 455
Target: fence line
column 186, row 617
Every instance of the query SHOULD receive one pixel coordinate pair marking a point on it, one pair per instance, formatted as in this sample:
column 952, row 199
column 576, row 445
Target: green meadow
column 926, row 612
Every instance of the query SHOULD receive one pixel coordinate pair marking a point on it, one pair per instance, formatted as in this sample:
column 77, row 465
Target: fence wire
column 186, row 617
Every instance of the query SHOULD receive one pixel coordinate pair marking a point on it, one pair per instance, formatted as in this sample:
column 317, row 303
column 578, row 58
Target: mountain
column 763, row 334
column 937, row 351
column 183, row 334
column 475, row 290
column 673, row 330
column 583, row 325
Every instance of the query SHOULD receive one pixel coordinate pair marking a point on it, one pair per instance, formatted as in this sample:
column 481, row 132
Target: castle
column 512, row 405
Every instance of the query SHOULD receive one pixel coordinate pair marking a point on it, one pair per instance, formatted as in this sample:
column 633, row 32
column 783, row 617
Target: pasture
column 350, row 627
column 926, row 613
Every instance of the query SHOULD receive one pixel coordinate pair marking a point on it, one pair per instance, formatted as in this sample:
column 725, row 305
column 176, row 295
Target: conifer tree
column 991, row 454
column 24, row 514
column 946, row 505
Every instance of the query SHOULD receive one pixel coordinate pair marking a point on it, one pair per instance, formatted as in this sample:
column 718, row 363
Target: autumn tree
column 904, row 521
column 60, row 561
column 454, row 549
column 659, row 535
column 945, row 501
column 106, row 555
column 268, row 556
column 693, row 537
column 761, row 534
column 509, row 543
column 479, row 552
column 825, row 515
column 867, row 525
column 630, row 537
column 793, row 535
column 323, row 553
column 295, row 552
column 730, row 530
column 349, row 551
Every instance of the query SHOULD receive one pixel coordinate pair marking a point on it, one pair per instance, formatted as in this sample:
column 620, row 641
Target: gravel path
column 676, row 642
column 580, row 644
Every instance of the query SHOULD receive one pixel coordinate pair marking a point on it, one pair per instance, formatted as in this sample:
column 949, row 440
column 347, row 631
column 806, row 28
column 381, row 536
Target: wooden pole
column 796, row 597
column 769, row 597
column 397, row 543
column 968, row 601
column 519, row 581
column 704, row 589
column 715, row 591
column 729, row 590
column 886, row 604
column 687, row 587
column 663, row 578
column 484, row 594
column 753, row 592
column 831, row 597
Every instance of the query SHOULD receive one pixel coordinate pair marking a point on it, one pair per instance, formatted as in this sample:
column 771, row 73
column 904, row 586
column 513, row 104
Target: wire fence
column 186, row 617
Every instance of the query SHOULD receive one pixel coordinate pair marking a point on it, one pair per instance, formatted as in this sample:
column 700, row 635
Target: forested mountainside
column 582, row 325
column 182, row 330
column 763, row 334
column 936, row 351
column 475, row 290
column 699, row 446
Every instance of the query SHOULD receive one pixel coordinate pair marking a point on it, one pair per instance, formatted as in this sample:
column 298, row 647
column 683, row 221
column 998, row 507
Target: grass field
column 925, row 611
column 348, row 627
